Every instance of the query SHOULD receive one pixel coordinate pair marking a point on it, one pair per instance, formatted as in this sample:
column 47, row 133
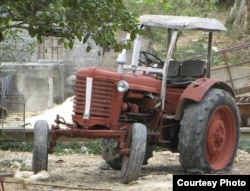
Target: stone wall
column 77, row 58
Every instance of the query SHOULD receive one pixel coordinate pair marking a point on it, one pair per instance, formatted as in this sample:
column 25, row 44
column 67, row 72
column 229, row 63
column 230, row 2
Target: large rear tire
column 40, row 148
column 209, row 133
column 136, row 142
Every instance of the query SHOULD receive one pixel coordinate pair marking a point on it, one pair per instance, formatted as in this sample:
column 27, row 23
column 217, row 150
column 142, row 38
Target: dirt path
column 81, row 172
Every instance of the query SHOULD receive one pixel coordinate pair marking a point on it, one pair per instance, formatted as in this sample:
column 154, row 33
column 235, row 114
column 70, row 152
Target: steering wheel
column 149, row 59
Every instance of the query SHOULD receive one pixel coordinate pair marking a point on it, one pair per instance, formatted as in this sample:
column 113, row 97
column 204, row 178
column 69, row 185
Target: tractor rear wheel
column 209, row 133
column 136, row 142
column 41, row 144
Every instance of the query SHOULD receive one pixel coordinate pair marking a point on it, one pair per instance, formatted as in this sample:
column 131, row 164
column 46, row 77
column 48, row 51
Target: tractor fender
column 196, row 91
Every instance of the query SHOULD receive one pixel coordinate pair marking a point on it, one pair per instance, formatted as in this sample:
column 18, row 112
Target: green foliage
column 236, row 56
column 192, row 48
column 172, row 7
column 99, row 20
column 14, row 146
column 91, row 147
column 67, row 148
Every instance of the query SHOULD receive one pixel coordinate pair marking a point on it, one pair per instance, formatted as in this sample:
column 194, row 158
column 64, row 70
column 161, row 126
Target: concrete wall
column 43, row 82
column 42, row 85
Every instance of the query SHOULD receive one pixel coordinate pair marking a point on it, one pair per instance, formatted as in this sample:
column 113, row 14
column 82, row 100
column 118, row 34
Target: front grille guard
column 93, row 98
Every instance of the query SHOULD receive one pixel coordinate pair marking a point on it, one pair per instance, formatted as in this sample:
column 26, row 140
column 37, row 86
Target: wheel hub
column 220, row 138
column 216, row 137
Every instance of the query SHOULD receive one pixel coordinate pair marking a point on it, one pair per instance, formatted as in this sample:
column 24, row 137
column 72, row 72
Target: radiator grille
column 100, row 101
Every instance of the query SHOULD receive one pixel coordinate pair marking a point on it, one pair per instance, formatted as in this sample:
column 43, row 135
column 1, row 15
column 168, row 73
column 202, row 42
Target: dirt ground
column 82, row 172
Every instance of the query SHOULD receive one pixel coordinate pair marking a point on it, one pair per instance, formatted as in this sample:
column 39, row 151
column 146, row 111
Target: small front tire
column 136, row 142
column 40, row 148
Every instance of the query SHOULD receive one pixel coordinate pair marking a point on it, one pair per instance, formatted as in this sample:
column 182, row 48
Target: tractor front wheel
column 136, row 142
column 41, row 144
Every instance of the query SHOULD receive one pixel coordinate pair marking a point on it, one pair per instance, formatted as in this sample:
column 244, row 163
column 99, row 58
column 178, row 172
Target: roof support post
column 209, row 53
column 165, row 68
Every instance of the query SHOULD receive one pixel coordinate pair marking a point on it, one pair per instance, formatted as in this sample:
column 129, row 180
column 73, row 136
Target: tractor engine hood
column 99, row 95
column 138, row 82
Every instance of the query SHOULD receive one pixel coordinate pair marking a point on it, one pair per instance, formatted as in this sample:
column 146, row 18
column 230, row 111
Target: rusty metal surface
column 99, row 94
column 105, row 102
column 231, row 59
column 232, row 49
column 196, row 91
column 1, row 182
column 228, row 55
column 243, row 98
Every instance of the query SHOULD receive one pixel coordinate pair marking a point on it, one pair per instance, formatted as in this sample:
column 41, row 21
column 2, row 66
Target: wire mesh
column 12, row 110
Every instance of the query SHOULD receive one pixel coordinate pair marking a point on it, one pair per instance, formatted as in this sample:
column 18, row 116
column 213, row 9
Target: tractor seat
column 193, row 68
column 190, row 70
column 173, row 68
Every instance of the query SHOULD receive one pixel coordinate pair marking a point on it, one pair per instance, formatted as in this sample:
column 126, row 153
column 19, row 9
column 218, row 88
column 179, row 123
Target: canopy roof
column 182, row 22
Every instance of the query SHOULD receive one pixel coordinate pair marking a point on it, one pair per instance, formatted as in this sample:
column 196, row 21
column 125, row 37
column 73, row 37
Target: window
column 50, row 49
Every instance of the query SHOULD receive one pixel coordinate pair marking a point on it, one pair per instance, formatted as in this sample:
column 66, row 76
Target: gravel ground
column 82, row 172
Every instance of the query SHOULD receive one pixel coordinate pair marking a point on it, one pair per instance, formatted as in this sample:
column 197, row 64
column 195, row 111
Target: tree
column 172, row 7
column 70, row 19
column 240, row 15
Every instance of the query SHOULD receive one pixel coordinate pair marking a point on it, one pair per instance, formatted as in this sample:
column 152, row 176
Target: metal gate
column 12, row 116
column 12, row 110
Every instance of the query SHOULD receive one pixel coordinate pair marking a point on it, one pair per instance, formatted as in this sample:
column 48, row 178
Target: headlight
column 122, row 86
column 71, row 80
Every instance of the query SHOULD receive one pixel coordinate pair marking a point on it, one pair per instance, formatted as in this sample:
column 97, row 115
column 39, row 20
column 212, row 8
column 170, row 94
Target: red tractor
column 173, row 104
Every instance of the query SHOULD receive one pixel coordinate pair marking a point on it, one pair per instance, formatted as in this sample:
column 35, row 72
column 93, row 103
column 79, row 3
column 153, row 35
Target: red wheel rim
column 220, row 138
